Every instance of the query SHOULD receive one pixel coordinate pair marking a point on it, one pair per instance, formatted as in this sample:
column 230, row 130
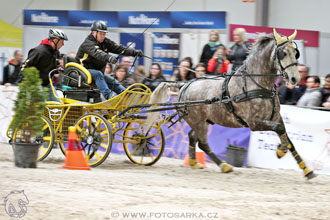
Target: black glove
column 113, row 59
column 139, row 53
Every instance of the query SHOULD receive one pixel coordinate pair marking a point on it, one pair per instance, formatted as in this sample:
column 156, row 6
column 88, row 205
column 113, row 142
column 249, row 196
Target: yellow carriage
column 98, row 124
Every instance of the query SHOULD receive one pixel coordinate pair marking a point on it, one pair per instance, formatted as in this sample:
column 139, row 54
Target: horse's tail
column 160, row 95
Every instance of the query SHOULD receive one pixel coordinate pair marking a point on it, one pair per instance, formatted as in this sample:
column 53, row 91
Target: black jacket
column 238, row 54
column 44, row 58
column 11, row 72
column 153, row 83
column 94, row 55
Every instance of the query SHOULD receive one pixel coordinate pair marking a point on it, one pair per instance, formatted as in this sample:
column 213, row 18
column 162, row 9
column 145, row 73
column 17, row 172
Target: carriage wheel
column 48, row 138
column 143, row 148
column 95, row 135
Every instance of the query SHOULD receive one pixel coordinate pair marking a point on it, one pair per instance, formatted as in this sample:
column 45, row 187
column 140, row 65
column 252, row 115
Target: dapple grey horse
column 246, row 98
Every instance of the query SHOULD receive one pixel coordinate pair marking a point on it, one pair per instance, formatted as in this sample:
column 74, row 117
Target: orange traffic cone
column 75, row 158
column 200, row 157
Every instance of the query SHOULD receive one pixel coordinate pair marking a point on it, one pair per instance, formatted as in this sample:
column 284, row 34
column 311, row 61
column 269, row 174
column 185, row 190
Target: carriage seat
column 80, row 80
column 75, row 75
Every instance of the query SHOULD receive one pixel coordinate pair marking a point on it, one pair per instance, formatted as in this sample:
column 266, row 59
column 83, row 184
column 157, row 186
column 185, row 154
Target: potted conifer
column 27, row 123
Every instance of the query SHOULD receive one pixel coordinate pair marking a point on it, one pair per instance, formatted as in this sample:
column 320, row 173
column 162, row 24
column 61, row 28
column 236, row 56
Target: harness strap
column 226, row 96
column 252, row 94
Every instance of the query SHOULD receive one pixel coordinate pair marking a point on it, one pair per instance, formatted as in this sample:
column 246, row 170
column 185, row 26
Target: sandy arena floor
column 118, row 189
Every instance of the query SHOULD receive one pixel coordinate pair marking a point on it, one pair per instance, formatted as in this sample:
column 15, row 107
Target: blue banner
column 128, row 19
column 126, row 39
column 165, row 50
column 144, row 19
column 86, row 18
column 46, row 17
column 208, row 20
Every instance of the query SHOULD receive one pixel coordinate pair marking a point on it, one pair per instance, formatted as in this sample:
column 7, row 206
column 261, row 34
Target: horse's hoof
column 194, row 164
column 309, row 174
column 197, row 166
column 280, row 153
column 226, row 168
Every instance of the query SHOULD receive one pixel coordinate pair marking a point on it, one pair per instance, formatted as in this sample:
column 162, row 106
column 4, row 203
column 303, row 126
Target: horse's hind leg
column 192, row 150
column 225, row 167
column 200, row 135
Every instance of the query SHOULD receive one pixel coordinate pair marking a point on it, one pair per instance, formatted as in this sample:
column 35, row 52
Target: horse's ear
column 292, row 37
column 278, row 38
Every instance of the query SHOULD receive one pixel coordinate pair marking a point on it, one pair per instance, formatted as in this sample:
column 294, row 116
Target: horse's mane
column 261, row 49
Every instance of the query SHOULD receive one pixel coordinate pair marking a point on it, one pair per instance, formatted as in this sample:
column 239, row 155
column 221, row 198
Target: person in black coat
column 240, row 50
column 93, row 54
column 12, row 70
column 155, row 77
column 210, row 47
column 44, row 57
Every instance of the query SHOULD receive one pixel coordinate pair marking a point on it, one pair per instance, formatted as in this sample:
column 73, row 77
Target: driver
column 93, row 54
column 44, row 57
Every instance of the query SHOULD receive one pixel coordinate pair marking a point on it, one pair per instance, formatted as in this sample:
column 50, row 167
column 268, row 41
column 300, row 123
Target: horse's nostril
column 293, row 79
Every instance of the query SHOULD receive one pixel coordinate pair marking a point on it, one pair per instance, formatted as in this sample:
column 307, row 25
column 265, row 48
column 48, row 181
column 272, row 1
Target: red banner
column 311, row 38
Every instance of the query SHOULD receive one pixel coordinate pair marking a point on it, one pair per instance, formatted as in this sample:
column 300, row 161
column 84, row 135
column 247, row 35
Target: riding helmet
column 56, row 33
column 99, row 26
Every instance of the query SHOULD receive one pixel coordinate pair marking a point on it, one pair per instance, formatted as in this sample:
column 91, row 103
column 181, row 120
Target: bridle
column 280, row 54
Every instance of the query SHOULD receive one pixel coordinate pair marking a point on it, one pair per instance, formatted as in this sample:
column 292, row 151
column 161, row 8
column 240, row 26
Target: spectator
column 290, row 94
column 126, row 61
column 120, row 74
column 210, row 47
column 12, row 70
column 139, row 75
column 326, row 92
column 44, row 57
column 240, row 50
column 93, row 53
column 200, row 70
column 326, row 104
column 108, row 69
column 312, row 95
column 219, row 63
column 155, row 77
column 184, row 73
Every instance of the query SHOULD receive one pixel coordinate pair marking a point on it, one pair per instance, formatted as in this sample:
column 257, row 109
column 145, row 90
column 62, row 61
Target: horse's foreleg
column 308, row 173
column 279, row 128
column 286, row 144
column 225, row 168
column 192, row 150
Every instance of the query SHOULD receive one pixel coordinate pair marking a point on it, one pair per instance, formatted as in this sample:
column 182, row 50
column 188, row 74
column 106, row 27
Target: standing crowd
column 215, row 59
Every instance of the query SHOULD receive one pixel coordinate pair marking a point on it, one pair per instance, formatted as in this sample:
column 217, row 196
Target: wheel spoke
column 97, row 155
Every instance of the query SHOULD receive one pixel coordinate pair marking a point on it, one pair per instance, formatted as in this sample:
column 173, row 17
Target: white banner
column 309, row 131
column 7, row 97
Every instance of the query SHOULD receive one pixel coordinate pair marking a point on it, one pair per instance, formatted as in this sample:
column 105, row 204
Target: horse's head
column 286, row 55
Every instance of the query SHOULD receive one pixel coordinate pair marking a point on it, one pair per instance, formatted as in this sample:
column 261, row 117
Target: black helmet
column 99, row 26
column 56, row 33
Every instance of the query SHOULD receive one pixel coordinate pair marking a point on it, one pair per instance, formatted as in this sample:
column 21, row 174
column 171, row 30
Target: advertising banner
column 87, row 18
column 165, row 50
column 46, row 17
column 144, row 19
column 128, row 19
column 311, row 38
column 309, row 131
column 126, row 39
column 200, row 20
